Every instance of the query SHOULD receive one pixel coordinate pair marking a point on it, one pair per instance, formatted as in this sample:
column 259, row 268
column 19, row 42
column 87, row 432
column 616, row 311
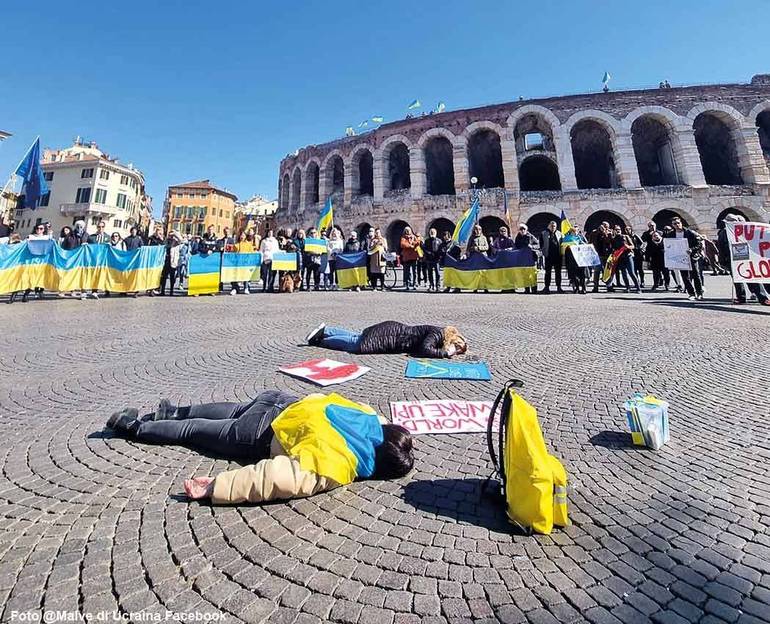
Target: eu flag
column 29, row 170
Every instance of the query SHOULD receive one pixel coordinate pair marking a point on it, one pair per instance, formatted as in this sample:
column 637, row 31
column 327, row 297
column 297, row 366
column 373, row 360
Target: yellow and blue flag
column 44, row 264
column 378, row 119
column 239, row 267
column 204, row 273
column 567, row 238
column 315, row 246
column 465, row 225
column 284, row 261
column 330, row 436
column 415, row 104
column 326, row 218
column 351, row 269
column 508, row 269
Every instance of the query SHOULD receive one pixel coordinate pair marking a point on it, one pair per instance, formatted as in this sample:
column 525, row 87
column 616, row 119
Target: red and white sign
column 749, row 251
column 444, row 416
column 325, row 372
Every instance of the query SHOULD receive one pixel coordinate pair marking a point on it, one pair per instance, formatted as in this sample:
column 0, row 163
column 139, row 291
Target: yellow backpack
column 533, row 482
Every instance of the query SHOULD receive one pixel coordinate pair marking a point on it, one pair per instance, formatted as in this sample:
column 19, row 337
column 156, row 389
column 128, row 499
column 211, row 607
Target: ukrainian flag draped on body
column 326, row 218
column 465, row 225
column 351, row 269
column 508, row 269
column 330, row 436
column 44, row 264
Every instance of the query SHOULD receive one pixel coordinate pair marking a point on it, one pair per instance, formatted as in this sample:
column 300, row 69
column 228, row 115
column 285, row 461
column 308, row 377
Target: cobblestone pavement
column 93, row 522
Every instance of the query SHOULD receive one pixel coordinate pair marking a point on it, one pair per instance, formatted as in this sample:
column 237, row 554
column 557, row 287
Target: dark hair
column 393, row 458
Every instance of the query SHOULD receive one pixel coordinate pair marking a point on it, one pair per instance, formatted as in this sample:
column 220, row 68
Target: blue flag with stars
column 31, row 172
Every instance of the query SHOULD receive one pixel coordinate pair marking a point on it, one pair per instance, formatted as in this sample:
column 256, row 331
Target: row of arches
column 592, row 150
column 538, row 222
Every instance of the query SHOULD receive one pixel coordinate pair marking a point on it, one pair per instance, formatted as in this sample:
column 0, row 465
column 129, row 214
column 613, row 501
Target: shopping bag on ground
column 648, row 421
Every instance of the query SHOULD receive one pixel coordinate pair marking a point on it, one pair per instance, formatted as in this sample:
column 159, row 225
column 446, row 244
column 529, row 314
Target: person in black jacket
column 691, row 279
column 392, row 337
column 431, row 249
column 133, row 240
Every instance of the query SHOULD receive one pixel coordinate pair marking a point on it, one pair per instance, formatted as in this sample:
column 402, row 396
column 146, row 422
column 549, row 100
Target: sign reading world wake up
column 442, row 416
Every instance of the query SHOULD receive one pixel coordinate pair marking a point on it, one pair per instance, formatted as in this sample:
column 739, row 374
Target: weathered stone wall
column 736, row 106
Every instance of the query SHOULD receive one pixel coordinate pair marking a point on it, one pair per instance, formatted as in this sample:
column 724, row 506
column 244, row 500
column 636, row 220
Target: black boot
column 165, row 411
column 124, row 420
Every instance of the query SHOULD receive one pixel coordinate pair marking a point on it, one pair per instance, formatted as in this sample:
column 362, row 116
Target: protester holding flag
column 624, row 266
column 575, row 273
column 526, row 240
column 311, row 262
column 268, row 247
column 601, row 239
column 502, row 240
column 133, row 240
column 478, row 242
column 301, row 446
column 334, row 247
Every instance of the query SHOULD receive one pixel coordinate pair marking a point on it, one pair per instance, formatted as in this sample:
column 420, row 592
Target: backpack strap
column 497, row 458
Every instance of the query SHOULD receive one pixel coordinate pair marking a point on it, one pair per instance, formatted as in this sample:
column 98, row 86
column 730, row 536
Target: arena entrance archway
column 393, row 234
column 491, row 225
column 728, row 211
column 663, row 218
column 485, row 159
column 539, row 173
column 539, row 222
column 717, row 149
column 442, row 225
column 595, row 220
column 439, row 166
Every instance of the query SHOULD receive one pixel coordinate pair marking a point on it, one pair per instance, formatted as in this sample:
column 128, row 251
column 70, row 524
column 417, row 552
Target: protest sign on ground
column 676, row 254
column 749, row 251
column 324, row 372
column 442, row 416
column 441, row 369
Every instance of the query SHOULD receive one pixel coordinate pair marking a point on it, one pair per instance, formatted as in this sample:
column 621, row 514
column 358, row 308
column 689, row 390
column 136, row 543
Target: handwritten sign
column 444, row 416
column 585, row 255
column 749, row 251
column 444, row 369
column 676, row 254
column 324, row 372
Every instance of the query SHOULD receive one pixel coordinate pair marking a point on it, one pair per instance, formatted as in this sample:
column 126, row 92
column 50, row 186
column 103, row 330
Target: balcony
column 89, row 210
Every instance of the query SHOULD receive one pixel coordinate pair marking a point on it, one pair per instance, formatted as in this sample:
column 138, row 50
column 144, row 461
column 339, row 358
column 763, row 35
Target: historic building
column 193, row 206
column 256, row 212
column 87, row 184
column 624, row 156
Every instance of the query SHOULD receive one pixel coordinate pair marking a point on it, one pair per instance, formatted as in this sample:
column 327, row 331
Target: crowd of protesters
column 421, row 259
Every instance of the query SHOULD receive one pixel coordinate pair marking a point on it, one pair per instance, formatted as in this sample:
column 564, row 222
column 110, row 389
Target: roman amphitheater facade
column 630, row 156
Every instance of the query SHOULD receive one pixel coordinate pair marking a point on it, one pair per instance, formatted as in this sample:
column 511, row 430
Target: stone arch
column 312, row 182
column 438, row 151
column 533, row 128
column 362, row 168
column 539, row 173
column 533, row 109
column 285, row 192
column 393, row 234
column 593, row 150
column 362, row 229
column 595, row 219
column 396, row 163
column 751, row 118
column 724, row 111
column 491, row 225
column 539, row 222
column 612, row 124
column 720, row 220
column 433, row 133
column 333, row 171
column 296, row 189
column 663, row 217
column 719, row 212
column 718, row 148
column 760, row 116
column 485, row 155
column 442, row 224
column 653, row 136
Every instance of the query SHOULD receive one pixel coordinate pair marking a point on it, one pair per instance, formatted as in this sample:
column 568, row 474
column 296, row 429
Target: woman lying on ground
column 300, row 446
column 392, row 337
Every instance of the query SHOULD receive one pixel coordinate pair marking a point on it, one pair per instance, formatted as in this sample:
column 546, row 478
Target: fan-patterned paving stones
column 91, row 522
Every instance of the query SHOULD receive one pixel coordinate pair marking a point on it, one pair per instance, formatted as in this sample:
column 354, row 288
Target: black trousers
column 232, row 430
column 311, row 269
column 434, row 277
column 553, row 263
column 268, row 276
column 168, row 273
column 692, row 282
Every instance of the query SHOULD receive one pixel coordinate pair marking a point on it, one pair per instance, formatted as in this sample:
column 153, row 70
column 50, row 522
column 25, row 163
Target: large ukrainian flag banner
column 351, row 269
column 510, row 268
column 239, row 267
column 44, row 264
column 285, row 261
column 204, row 274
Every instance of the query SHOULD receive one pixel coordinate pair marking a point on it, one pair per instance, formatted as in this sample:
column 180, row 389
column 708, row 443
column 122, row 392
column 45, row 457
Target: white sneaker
column 247, row 290
column 62, row 295
column 83, row 296
column 314, row 333
column 233, row 291
column 94, row 296
column 692, row 297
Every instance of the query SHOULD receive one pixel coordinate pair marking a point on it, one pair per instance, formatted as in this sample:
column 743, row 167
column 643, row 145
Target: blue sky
column 223, row 90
